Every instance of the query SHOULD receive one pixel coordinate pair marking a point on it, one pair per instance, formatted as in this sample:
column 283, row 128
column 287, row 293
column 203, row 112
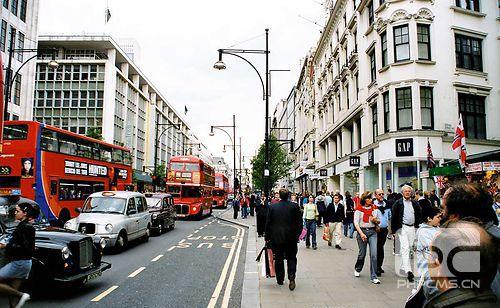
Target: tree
column 279, row 163
column 160, row 176
column 94, row 132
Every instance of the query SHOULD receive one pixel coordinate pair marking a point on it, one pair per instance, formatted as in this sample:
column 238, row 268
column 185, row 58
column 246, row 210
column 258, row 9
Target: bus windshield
column 174, row 190
column 15, row 132
column 191, row 192
column 218, row 193
column 184, row 166
column 108, row 205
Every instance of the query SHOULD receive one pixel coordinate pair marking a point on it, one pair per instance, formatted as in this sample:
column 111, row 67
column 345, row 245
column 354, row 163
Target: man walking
column 283, row 228
column 406, row 216
column 334, row 216
column 385, row 217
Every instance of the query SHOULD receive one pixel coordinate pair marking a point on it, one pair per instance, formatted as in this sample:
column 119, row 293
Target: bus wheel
column 199, row 216
column 210, row 214
column 121, row 241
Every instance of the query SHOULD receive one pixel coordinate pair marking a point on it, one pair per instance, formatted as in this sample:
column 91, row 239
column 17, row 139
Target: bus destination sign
column 80, row 168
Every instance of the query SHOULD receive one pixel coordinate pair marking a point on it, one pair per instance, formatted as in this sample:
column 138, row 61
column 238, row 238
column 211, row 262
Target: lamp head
column 211, row 134
column 220, row 65
column 224, row 149
column 53, row 64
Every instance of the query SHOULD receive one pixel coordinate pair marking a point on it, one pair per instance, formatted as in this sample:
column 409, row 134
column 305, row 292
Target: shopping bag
column 270, row 263
column 326, row 233
column 303, row 234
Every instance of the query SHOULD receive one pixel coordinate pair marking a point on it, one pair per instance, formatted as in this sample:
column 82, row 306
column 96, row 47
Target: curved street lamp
column 176, row 125
column 233, row 140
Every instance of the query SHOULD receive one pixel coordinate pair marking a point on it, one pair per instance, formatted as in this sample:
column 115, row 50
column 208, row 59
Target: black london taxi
column 161, row 207
column 61, row 255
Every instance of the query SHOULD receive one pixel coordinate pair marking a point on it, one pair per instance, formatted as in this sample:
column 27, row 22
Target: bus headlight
column 194, row 209
column 109, row 228
column 102, row 242
column 65, row 253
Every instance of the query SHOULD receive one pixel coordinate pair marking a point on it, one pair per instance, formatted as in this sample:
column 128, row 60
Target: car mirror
column 78, row 210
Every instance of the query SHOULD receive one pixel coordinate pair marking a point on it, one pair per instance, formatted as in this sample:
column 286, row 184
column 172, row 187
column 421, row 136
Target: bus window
column 174, row 190
column 191, row 192
column 105, row 153
column 53, row 188
column 67, row 144
column 15, row 132
column 96, row 152
column 127, row 160
column 176, row 166
column 84, row 149
column 117, row 156
column 184, row 166
column 49, row 140
column 78, row 190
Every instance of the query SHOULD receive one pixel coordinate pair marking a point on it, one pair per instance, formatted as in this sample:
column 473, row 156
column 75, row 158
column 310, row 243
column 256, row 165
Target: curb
column 250, row 295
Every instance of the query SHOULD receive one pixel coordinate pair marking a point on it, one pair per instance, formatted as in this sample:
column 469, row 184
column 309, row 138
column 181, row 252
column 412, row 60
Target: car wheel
column 172, row 226
column 121, row 241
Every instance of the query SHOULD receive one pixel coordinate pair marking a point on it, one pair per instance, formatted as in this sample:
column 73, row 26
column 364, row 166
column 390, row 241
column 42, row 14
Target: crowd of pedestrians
column 418, row 223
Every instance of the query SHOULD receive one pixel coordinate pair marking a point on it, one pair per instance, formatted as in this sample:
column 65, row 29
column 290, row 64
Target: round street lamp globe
column 220, row 65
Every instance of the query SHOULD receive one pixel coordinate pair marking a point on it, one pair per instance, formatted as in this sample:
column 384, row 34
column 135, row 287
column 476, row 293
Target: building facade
column 97, row 86
column 19, row 30
column 387, row 78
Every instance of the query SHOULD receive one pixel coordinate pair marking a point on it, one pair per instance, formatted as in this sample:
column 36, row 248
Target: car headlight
column 69, row 225
column 109, row 228
column 102, row 242
column 154, row 216
column 65, row 253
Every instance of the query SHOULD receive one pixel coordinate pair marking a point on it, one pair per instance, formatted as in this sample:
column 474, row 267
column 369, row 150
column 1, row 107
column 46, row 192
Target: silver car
column 116, row 216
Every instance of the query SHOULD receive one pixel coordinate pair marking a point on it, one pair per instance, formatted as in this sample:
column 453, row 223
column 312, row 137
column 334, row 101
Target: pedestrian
column 365, row 221
column 310, row 217
column 496, row 205
column 283, row 228
column 384, row 214
column 276, row 198
column 328, row 199
column 236, row 206
column 19, row 250
column 405, row 218
column 422, row 201
column 252, row 204
column 244, row 207
column 334, row 216
column 434, row 199
column 349, row 215
column 320, row 205
column 262, row 206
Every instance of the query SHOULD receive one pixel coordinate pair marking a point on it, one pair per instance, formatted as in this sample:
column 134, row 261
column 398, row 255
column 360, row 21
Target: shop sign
column 80, row 168
column 323, row 172
column 371, row 157
column 354, row 161
column 491, row 166
column 404, row 147
column 476, row 167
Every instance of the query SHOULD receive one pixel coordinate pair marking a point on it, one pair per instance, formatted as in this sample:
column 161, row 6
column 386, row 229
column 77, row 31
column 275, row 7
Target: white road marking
column 182, row 241
column 140, row 269
column 196, row 231
column 222, row 278
column 230, row 281
column 171, row 248
column 158, row 257
column 103, row 294
column 190, row 235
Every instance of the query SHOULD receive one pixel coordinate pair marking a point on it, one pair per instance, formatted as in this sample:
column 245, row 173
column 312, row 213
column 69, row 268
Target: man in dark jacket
column 406, row 217
column 283, row 228
column 334, row 216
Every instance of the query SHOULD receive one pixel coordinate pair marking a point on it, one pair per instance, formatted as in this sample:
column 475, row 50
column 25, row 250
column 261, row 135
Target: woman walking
column 262, row 205
column 349, row 215
column 310, row 216
column 236, row 205
column 365, row 222
column 19, row 250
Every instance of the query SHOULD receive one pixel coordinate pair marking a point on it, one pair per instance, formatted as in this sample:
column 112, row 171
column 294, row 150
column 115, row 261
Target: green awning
column 446, row 170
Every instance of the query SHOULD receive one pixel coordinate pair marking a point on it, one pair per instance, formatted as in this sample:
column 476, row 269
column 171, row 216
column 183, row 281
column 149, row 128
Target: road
column 190, row 266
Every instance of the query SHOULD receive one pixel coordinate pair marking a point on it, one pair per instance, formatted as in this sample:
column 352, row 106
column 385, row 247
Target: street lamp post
column 195, row 143
column 220, row 65
column 155, row 175
column 233, row 140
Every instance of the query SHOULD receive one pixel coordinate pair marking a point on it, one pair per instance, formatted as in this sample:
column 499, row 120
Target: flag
column 185, row 110
column 458, row 144
column 107, row 15
column 430, row 158
column 439, row 180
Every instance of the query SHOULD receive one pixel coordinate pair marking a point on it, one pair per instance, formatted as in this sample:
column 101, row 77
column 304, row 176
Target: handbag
column 269, row 261
column 326, row 233
column 303, row 234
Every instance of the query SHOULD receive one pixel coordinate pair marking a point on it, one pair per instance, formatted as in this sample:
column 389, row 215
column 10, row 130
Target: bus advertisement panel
column 221, row 191
column 191, row 182
column 59, row 169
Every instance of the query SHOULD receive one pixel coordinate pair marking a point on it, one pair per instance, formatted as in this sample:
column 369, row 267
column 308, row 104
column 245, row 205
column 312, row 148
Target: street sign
column 323, row 172
column 266, row 172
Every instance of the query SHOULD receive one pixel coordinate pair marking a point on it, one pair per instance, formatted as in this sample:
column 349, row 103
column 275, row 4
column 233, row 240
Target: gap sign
column 404, row 147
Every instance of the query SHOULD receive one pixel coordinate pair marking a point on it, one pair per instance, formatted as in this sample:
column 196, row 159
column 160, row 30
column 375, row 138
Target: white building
column 19, row 30
column 97, row 85
column 388, row 76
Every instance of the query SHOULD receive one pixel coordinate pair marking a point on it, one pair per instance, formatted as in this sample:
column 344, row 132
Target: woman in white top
column 310, row 215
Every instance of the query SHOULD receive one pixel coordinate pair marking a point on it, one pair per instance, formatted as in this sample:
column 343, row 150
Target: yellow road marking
column 140, row 269
column 157, row 258
column 103, row 294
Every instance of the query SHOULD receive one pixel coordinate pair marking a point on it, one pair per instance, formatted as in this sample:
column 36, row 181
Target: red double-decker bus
column 221, row 191
column 191, row 182
column 59, row 169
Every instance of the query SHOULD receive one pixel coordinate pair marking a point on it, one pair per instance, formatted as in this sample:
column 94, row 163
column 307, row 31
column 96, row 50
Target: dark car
column 161, row 207
column 61, row 255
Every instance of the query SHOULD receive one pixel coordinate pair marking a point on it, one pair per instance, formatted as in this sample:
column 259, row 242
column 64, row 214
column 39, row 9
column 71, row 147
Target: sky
column 178, row 46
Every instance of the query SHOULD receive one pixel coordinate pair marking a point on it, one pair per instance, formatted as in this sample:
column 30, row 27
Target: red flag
column 458, row 144
column 430, row 158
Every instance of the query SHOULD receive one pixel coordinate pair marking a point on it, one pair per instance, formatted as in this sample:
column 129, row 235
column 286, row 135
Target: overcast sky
column 179, row 40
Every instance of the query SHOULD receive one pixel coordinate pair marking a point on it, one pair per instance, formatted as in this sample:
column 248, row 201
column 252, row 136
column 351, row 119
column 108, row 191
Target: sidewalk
column 324, row 277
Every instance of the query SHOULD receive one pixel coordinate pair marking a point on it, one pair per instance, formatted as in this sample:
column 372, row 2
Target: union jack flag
column 430, row 158
column 458, row 144
column 439, row 180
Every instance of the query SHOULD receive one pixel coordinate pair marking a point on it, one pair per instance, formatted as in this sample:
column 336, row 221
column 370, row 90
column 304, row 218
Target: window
column 468, row 52
column 17, row 90
column 13, row 6
column 401, row 43
column 473, row 114
column 385, row 98
column 371, row 17
column 3, row 35
column 424, row 42
column 347, row 95
column 403, row 105
column 20, row 45
column 356, row 79
column 426, row 111
column 383, row 43
column 472, row 5
column 373, row 66
column 15, row 132
column 374, row 122
column 6, row 4
column 11, row 45
column 22, row 11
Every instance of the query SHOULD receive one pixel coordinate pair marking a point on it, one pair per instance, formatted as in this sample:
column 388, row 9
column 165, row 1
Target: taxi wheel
column 121, row 241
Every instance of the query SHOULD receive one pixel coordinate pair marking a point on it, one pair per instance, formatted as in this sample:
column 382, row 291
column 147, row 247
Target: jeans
column 381, row 238
column 311, row 231
column 372, row 242
column 349, row 226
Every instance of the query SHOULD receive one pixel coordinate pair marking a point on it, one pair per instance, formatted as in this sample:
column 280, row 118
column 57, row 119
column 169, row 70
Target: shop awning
column 477, row 162
column 446, row 170
column 140, row 176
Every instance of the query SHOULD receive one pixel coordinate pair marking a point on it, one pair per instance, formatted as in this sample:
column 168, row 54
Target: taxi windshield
column 107, row 205
column 153, row 202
